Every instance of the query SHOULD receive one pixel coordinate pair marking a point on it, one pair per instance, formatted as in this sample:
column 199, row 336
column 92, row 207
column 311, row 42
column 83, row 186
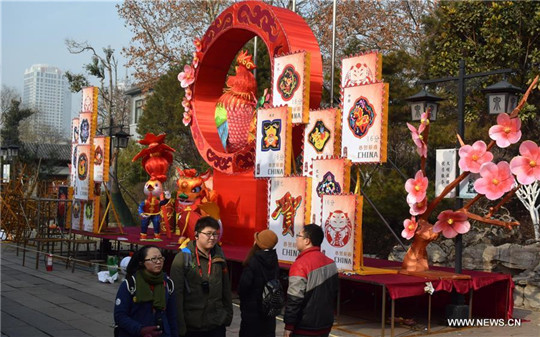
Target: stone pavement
column 59, row 303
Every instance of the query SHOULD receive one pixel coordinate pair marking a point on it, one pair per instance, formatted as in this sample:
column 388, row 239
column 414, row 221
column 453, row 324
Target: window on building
column 138, row 110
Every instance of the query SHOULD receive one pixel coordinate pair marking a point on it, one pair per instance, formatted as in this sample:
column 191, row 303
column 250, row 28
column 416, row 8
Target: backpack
column 273, row 298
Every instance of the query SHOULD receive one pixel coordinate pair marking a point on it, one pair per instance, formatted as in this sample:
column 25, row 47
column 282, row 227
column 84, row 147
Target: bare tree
column 528, row 195
column 8, row 94
column 42, row 134
column 113, row 103
column 164, row 30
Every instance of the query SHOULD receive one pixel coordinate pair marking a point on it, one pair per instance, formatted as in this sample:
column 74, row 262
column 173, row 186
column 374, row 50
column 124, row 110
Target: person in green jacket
column 203, row 294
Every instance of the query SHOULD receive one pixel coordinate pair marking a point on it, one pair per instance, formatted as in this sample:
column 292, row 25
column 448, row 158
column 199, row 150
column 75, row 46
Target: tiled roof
column 49, row 151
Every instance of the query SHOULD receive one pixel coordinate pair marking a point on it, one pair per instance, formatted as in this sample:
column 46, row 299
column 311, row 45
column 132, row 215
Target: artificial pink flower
column 452, row 223
column 507, row 131
column 418, row 139
column 496, row 180
column 187, row 118
column 188, row 94
column 410, row 227
column 424, row 118
column 527, row 166
column 416, row 187
column 196, row 58
column 417, row 208
column 198, row 44
column 187, row 77
column 186, row 103
column 472, row 157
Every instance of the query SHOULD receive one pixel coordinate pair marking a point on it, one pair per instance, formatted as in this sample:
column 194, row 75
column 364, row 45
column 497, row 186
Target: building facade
column 137, row 98
column 46, row 91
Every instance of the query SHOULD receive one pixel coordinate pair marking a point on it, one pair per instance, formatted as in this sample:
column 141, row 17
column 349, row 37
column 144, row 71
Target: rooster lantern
column 235, row 108
column 156, row 159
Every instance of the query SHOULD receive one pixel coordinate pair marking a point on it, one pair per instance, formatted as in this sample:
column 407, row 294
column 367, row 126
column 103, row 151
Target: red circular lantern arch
column 282, row 31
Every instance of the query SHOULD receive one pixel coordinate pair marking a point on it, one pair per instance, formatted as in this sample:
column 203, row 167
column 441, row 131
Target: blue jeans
column 156, row 219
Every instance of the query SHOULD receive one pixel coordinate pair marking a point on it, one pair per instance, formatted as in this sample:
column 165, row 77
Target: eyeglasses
column 300, row 236
column 156, row 259
column 210, row 235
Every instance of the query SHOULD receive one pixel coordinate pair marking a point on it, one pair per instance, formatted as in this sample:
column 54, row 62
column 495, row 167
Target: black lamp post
column 458, row 309
column 421, row 102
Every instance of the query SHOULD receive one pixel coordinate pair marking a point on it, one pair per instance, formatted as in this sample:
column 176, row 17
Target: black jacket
column 263, row 266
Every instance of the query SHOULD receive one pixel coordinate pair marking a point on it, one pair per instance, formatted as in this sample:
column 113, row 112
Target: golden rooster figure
column 234, row 109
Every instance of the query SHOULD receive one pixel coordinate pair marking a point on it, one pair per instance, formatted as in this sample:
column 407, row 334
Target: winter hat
column 266, row 239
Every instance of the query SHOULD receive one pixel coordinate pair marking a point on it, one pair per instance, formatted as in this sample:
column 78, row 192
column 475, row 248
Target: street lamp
column 502, row 97
column 13, row 151
column 421, row 102
column 8, row 154
column 121, row 139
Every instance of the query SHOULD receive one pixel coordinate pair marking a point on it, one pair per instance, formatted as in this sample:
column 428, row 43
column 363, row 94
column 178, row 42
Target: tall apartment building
column 46, row 91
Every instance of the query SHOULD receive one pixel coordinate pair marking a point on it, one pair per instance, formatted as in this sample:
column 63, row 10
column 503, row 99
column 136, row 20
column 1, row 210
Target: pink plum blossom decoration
column 507, row 131
column 424, row 118
column 452, row 223
column 416, row 187
column 187, row 77
column 186, row 103
column 188, row 94
column 196, row 59
column 410, row 228
column 418, row 139
column 495, row 181
column 472, row 157
column 527, row 166
column 187, row 118
column 417, row 208
column 198, row 44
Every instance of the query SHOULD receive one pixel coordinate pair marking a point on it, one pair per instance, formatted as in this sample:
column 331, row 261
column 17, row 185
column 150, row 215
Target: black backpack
column 273, row 297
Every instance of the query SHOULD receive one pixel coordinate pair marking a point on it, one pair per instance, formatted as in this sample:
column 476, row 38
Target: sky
column 33, row 32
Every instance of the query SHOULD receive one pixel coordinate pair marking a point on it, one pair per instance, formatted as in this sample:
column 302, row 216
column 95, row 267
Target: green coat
column 199, row 310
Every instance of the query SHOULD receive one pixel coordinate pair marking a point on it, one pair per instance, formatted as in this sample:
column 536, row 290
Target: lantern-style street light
column 13, row 151
column 7, row 155
column 421, row 102
column 502, row 97
column 121, row 139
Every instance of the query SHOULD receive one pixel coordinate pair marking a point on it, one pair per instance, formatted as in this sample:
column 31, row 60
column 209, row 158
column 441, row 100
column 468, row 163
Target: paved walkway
column 59, row 303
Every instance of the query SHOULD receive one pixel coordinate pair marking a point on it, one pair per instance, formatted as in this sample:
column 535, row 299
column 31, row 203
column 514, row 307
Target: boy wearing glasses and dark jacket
column 203, row 293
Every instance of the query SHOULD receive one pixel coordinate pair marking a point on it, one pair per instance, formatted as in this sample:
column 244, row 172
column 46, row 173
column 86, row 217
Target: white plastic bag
column 105, row 276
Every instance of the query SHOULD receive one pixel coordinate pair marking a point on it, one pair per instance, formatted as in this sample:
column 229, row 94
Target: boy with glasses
column 313, row 285
column 203, row 293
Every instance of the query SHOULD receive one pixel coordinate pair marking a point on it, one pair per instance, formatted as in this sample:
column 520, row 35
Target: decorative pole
column 333, row 53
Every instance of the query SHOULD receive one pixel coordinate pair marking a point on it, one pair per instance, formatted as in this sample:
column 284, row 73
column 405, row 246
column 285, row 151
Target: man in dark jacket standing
column 203, row 293
column 313, row 286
